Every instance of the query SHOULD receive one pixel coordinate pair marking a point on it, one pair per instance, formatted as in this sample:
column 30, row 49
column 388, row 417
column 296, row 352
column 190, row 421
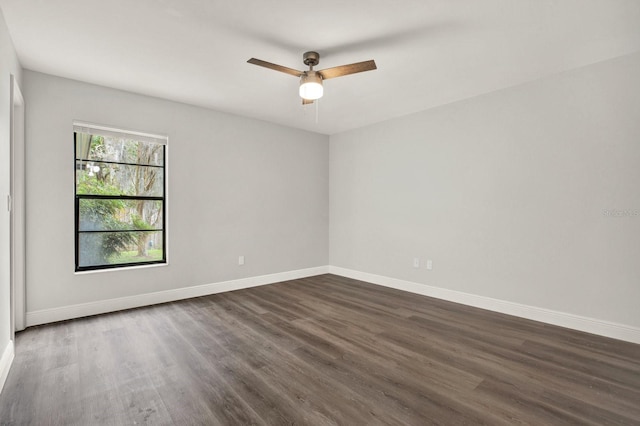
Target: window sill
column 123, row 268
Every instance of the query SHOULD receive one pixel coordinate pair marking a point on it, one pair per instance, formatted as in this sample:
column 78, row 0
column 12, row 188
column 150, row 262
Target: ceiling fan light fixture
column 311, row 86
column 310, row 80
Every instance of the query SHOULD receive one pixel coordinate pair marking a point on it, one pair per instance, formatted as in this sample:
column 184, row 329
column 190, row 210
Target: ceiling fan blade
column 276, row 67
column 306, row 101
column 348, row 69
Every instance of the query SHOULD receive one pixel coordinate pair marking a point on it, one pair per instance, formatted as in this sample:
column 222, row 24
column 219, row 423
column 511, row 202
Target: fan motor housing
column 311, row 59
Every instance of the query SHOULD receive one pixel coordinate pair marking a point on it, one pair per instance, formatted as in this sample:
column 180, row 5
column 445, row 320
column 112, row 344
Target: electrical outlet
column 429, row 264
column 240, row 260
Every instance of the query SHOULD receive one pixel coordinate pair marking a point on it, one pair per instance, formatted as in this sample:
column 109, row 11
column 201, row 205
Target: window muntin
column 120, row 199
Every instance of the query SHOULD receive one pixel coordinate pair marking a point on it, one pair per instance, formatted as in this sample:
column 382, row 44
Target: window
column 120, row 198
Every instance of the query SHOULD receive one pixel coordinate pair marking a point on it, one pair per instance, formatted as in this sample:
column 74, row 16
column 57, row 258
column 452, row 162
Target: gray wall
column 237, row 186
column 505, row 193
column 8, row 65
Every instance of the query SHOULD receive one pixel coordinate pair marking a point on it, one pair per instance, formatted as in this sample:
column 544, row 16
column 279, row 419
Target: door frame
column 18, row 210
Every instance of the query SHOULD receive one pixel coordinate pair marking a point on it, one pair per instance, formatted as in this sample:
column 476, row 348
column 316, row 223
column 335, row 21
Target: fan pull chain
column 317, row 108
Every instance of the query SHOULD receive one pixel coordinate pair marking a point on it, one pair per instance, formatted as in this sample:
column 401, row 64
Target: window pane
column 83, row 144
column 102, row 215
column 112, row 248
column 142, row 153
column 118, row 179
column 121, row 150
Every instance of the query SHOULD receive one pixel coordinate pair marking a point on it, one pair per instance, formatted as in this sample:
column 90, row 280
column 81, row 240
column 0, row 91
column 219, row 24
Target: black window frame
column 78, row 197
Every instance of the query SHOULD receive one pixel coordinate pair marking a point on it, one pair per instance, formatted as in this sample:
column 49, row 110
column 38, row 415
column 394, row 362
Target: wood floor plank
column 323, row 350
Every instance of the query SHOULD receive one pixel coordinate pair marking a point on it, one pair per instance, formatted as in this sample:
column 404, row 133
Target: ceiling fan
column 311, row 80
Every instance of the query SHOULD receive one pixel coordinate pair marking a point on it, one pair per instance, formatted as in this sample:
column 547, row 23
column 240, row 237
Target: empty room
column 340, row 213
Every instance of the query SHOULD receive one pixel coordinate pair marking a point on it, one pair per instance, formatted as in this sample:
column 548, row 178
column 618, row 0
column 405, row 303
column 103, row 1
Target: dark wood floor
column 319, row 351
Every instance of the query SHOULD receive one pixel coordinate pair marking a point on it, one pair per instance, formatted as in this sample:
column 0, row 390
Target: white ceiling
column 428, row 52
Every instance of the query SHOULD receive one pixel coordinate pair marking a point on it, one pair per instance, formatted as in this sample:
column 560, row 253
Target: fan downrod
column 311, row 59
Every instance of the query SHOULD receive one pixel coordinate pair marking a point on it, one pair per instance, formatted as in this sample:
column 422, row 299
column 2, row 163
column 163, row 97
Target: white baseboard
column 576, row 322
column 562, row 319
column 46, row 316
column 5, row 362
